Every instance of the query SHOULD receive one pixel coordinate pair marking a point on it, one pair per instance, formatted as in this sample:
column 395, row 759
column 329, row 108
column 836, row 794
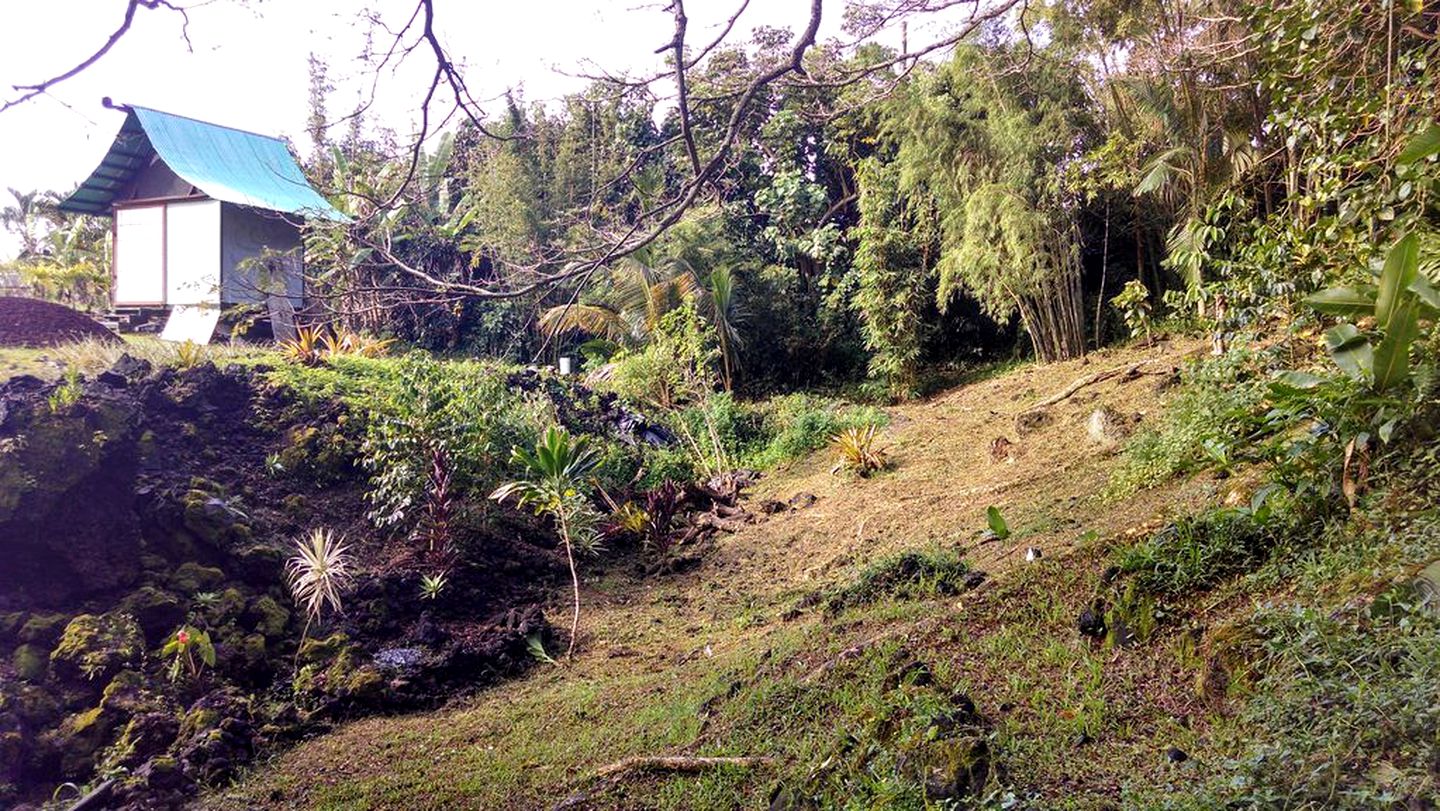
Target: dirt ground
column 32, row 322
column 642, row 639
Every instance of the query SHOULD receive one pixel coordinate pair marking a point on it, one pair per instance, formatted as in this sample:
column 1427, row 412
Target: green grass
column 1208, row 423
column 1195, row 553
column 18, row 360
column 906, row 576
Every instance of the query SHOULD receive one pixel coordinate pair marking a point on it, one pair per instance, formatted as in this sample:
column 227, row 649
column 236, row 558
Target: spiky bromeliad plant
column 858, row 451
column 318, row 573
column 554, row 486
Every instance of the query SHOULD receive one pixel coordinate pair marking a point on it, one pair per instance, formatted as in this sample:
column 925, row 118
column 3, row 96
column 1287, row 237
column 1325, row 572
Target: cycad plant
column 554, row 486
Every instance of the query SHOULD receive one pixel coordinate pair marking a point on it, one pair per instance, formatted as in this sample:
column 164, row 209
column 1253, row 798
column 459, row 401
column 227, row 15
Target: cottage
column 193, row 203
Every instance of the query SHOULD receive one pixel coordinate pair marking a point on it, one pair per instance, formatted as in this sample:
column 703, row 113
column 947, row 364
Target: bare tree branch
column 30, row 91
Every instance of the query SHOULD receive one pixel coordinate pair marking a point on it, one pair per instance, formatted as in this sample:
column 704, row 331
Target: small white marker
column 1032, row 554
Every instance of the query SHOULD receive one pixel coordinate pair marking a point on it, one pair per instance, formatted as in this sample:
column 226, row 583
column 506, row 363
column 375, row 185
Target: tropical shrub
column 676, row 366
column 190, row 651
column 556, row 479
column 437, row 434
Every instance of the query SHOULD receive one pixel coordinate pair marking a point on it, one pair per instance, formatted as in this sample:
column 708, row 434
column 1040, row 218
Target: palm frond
column 1164, row 169
column 597, row 320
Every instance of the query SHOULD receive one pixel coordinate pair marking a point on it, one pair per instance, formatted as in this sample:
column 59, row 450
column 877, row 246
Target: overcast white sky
column 248, row 66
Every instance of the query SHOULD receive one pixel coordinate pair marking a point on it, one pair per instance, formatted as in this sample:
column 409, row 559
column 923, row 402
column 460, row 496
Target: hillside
column 740, row 657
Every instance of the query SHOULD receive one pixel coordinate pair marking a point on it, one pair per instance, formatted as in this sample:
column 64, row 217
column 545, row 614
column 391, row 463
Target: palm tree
column 556, row 472
column 33, row 213
column 642, row 289
column 725, row 314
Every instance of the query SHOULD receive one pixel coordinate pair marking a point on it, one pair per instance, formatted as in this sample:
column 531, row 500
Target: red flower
column 183, row 637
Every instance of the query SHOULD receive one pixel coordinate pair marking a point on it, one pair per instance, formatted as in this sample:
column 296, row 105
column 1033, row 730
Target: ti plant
column 554, row 486
column 190, row 652
column 858, row 451
column 1400, row 300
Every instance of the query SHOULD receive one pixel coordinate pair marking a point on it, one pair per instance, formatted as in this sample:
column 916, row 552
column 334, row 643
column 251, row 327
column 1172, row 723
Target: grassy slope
column 720, row 662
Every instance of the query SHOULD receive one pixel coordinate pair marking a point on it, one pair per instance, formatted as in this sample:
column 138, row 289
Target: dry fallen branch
column 1129, row 371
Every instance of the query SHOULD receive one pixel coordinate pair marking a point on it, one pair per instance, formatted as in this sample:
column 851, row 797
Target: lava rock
column 1092, row 620
column 94, row 648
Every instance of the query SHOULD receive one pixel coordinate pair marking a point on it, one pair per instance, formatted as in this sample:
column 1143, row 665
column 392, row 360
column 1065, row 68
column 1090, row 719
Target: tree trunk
column 1104, row 266
column 575, row 585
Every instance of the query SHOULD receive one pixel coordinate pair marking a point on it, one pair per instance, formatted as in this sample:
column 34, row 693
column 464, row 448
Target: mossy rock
column 43, row 629
column 94, row 648
column 314, row 650
column 10, row 624
column 208, row 714
column 78, row 739
column 253, row 649
column 268, row 617
column 214, row 521
column 144, row 736
column 228, row 606
column 158, row 612
column 955, row 768
column 259, row 565
column 296, row 505
column 31, row 662
column 127, row 694
column 336, row 673
column 192, row 578
column 32, row 705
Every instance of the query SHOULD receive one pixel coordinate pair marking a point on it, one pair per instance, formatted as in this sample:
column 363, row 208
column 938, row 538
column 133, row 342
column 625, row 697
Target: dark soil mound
column 32, row 322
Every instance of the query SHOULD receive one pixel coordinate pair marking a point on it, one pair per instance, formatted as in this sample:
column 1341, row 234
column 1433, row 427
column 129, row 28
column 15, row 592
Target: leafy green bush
column 1218, row 408
column 437, row 435
column 676, row 366
column 1374, row 744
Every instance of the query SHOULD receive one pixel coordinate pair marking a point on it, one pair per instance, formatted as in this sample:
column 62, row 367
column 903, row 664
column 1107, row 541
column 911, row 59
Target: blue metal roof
column 225, row 163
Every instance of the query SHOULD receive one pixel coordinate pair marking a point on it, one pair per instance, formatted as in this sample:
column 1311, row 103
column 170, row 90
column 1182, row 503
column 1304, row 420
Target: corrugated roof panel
column 225, row 163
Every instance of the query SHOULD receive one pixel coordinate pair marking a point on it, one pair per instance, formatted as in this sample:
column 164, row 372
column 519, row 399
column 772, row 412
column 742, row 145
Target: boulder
column 1028, row 422
column 94, row 648
column 68, row 527
column 217, row 735
column 144, row 736
column 191, row 578
column 267, row 617
column 43, row 629
column 335, row 675
column 158, row 612
column 31, row 662
column 1107, row 427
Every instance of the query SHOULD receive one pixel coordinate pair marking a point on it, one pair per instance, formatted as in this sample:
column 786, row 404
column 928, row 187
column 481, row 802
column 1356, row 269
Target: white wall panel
column 139, row 255
column 192, row 253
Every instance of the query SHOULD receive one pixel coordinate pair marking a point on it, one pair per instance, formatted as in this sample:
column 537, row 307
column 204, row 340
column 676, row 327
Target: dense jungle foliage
column 1078, row 175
